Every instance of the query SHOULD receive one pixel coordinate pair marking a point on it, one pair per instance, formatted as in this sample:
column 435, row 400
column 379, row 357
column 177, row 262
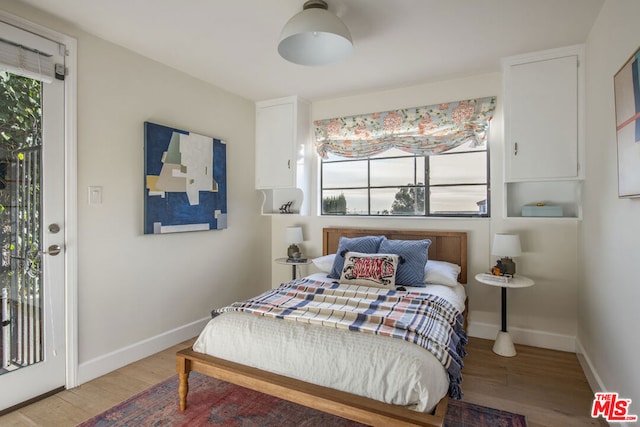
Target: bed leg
column 183, row 366
column 441, row 410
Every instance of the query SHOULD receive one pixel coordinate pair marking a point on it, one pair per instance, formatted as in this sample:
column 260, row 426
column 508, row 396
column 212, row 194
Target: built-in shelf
column 566, row 194
column 276, row 197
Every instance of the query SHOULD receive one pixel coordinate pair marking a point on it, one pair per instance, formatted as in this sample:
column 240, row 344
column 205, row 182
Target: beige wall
column 543, row 315
column 609, row 250
column 138, row 290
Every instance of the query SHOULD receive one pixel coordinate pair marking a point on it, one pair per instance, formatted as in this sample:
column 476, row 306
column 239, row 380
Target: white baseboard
column 590, row 372
column 594, row 380
column 101, row 365
column 522, row 336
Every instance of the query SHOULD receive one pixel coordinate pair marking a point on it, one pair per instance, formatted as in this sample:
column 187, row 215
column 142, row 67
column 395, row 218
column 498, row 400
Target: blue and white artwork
column 185, row 181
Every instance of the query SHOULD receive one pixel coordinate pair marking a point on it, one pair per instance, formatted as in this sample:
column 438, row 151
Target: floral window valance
column 425, row 130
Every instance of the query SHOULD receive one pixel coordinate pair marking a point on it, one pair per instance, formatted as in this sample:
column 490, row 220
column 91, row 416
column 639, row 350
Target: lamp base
column 292, row 251
column 508, row 266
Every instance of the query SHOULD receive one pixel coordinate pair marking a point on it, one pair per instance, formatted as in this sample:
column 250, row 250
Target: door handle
column 52, row 250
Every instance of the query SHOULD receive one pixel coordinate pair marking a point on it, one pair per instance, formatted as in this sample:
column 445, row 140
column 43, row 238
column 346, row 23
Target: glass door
column 32, row 312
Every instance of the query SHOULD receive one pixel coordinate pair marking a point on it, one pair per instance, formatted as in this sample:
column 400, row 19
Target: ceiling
column 233, row 44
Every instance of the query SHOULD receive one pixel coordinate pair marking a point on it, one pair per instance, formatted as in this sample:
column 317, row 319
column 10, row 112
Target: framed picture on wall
column 626, row 84
column 185, row 177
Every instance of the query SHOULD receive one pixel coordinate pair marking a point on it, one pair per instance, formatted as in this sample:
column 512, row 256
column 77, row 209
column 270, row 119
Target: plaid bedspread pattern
column 426, row 320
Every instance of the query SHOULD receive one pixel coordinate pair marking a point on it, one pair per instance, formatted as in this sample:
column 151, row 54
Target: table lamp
column 293, row 236
column 506, row 246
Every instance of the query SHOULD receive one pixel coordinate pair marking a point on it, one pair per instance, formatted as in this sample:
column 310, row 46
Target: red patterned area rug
column 216, row 403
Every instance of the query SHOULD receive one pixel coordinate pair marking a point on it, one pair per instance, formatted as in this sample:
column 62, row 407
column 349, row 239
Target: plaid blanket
column 426, row 320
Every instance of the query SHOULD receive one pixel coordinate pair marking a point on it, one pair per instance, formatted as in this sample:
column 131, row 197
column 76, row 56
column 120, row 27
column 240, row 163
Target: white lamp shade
column 315, row 37
column 293, row 235
column 507, row 245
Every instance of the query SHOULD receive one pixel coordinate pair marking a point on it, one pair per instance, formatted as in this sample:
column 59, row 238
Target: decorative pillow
column 365, row 245
column 441, row 273
column 376, row 270
column 412, row 257
column 324, row 263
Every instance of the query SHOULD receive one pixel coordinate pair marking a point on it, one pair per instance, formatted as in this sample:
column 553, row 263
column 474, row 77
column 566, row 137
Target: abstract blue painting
column 185, row 178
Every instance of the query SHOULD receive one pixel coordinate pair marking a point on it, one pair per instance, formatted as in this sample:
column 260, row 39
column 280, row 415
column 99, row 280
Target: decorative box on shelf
column 543, row 210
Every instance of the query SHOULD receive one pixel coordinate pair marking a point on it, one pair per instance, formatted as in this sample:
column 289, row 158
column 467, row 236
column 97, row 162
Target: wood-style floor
column 547, row 386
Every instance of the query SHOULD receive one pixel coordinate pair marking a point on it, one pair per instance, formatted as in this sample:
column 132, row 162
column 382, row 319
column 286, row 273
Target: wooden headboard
column 448, row 246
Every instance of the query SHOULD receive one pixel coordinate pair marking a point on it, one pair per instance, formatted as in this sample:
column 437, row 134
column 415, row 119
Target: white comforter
column 382, row 368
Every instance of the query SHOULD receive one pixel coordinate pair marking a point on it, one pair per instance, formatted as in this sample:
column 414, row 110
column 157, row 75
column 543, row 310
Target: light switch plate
column 95, row 195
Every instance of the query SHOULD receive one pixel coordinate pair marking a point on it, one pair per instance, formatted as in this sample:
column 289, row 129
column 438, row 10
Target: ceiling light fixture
column 315, row 36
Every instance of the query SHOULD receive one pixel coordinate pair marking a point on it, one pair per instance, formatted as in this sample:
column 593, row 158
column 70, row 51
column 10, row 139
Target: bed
column 446, row 246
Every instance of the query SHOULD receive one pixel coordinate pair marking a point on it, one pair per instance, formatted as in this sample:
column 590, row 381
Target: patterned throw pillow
column 366, row 245
column 376, row 270
column 413, row 256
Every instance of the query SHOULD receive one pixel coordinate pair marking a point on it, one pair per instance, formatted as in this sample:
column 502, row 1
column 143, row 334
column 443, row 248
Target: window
column 421, row 161
column 395, row 183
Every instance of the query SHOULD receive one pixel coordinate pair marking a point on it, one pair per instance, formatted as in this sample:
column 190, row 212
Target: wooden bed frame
column 446, row 246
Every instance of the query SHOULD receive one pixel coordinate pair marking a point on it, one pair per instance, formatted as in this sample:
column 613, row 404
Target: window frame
column 427, row 185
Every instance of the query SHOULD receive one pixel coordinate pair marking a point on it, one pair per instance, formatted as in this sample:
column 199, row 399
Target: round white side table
column 293, row 264
column 504, row 344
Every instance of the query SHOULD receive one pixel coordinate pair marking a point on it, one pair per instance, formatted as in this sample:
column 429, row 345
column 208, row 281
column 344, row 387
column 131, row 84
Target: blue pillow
column 414, row 254
column 365, row 245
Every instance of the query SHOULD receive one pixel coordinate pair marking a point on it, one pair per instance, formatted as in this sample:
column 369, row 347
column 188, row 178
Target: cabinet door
column 542, row 119
column 275, row 137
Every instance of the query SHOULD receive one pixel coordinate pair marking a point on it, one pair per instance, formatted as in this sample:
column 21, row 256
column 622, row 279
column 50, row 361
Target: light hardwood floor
column 547, row 386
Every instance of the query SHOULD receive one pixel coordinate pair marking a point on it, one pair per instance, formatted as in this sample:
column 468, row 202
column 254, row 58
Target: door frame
column 71, row 189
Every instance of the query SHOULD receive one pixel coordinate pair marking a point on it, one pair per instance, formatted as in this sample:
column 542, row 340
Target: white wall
column 136, row 289
column 544, row 315
column 139, row 293
column 609, row 289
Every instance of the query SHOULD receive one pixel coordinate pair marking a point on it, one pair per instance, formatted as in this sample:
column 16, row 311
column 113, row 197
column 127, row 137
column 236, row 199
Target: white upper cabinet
column 543, row 115
column 282, row 151
column 544, row 131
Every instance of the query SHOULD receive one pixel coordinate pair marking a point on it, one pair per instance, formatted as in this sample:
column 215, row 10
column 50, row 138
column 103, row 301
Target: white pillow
column 441, row 273
column 324, row 263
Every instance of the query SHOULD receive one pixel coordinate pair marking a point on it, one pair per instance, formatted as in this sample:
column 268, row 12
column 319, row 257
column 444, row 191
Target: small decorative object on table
column 495, row 278
column 497, row 269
